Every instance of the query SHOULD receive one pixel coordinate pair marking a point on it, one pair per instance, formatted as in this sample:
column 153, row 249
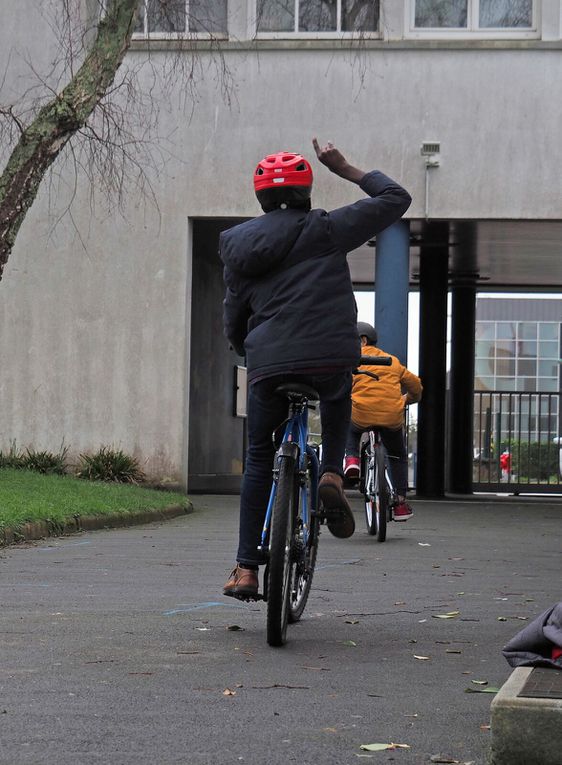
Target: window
column 533, row 363
column 176, row 18
column 482, row 18
column 326, row 17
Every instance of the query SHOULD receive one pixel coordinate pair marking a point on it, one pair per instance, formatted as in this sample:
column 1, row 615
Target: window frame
column 295, row 34
column 472, row 31
column 187, row 35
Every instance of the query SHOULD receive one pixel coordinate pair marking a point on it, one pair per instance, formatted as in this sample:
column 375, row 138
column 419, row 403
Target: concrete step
column 527, row 730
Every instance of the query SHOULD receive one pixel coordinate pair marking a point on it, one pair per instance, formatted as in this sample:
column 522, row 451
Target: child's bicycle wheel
column 376, row 493
column 280, row 552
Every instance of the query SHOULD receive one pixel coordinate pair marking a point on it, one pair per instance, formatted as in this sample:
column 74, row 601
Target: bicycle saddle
column 296, row 390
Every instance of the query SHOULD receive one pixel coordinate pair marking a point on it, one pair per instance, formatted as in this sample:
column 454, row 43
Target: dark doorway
column 216, row 435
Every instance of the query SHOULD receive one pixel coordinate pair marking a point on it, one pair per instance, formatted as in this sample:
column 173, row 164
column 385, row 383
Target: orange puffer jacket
column 380, row 403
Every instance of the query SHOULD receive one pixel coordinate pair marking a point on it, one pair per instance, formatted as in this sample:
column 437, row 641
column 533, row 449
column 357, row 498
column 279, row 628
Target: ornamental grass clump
column 45, row 462
column 12, row 459
column 111, row 465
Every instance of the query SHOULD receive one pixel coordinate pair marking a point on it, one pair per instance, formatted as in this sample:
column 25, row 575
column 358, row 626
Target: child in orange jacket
column 380, row 404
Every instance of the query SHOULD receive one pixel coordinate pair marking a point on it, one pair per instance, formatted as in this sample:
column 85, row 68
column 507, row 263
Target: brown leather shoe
column 339, row 517
column 242, row 584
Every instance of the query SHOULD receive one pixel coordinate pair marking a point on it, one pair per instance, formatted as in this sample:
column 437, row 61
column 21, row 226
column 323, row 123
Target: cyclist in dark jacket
column 290, row 309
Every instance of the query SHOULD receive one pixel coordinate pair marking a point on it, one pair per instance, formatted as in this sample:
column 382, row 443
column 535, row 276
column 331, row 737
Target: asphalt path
column 118, row 647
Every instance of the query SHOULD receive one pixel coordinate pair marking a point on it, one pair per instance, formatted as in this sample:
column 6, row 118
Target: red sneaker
column 402, row 512
column 351, row 467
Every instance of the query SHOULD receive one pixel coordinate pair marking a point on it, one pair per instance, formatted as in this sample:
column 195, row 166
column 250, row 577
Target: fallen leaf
column 424, row 544
column 448, row 615
column 502, row 619
column 421, row 658
column 479, row 682
column 352, row 621
column 482, row 690
column 382, row 747
column 330, row 730
column 228, row 692
column 452, row 650
column 349, row 642
column 281, row 685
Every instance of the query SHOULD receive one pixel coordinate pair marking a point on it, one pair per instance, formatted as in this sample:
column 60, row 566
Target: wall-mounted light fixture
column 430, row 151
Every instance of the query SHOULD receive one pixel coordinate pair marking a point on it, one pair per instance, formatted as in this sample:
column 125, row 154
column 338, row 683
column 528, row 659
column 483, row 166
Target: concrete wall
column 95, row 304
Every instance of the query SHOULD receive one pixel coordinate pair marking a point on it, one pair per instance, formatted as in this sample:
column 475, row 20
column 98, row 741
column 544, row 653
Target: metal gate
column 517, row 442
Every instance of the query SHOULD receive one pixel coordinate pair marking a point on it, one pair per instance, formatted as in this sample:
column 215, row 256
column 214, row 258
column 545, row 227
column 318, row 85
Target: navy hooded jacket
column 289, row 301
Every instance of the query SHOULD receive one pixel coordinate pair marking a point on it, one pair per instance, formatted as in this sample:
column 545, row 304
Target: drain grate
column 543, row 683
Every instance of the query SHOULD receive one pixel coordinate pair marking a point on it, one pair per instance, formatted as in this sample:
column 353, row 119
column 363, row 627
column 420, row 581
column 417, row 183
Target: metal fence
column 517, row 442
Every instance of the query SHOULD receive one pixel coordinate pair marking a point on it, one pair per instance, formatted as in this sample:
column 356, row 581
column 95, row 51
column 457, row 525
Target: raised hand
column 330, row 156
column 336, row 162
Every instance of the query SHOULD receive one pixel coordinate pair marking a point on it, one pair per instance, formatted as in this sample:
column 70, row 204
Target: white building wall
column 94, row 310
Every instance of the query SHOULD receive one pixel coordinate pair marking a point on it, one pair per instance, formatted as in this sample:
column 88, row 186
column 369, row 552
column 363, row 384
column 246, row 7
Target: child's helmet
column 283, row 180
column 285, row 168
column 368, row 331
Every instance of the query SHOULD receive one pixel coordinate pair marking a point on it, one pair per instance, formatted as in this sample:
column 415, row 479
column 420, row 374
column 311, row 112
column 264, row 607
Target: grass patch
column 29, row 496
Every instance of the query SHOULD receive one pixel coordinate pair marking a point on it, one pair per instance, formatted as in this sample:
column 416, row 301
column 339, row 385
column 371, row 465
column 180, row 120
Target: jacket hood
column 260, row 245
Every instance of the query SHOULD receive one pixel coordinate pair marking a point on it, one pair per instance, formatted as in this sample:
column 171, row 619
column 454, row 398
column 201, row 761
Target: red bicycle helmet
column 282, row 169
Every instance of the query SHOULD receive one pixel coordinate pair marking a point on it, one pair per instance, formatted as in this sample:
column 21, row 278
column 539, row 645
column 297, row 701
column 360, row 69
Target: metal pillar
column 392, row 280
column 463, row 318
column 434, row 256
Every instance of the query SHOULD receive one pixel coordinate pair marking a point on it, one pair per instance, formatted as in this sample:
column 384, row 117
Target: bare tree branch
column 57, row 121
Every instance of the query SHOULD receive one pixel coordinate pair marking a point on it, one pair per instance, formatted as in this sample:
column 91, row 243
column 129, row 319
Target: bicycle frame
column 296, row 433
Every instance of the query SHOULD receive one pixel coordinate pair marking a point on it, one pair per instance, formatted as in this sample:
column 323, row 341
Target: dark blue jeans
column 266, row 411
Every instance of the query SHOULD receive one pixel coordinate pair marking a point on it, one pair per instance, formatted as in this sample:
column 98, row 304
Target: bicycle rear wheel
column 280, row 544
column 304, row 554
column 382, row 495
column 368, row 481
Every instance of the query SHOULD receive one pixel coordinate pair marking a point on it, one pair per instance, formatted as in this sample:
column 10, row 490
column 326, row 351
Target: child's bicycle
column 376, row 485
column 292, row 523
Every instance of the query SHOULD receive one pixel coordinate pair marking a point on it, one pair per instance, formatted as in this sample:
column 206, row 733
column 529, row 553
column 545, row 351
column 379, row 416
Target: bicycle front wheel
column 382, row 495
column 280, row 542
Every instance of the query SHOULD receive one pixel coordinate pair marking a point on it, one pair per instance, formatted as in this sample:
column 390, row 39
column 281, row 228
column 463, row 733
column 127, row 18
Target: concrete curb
column 525, row 731
column 41, row 529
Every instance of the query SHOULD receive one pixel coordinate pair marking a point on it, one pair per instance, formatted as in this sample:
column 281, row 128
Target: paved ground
column 117, row 646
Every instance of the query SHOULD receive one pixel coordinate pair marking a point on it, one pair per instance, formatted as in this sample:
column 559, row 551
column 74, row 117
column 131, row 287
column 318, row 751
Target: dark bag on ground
column 539, row 644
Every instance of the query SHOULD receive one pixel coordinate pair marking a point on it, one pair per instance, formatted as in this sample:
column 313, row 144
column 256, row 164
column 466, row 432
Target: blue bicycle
column 292, row 523
column 291, row 528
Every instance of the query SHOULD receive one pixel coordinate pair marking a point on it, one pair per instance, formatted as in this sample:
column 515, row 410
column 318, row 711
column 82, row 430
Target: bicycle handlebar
column 381, row 361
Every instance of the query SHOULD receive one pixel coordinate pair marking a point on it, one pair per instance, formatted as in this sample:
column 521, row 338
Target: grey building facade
column 110, row 324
